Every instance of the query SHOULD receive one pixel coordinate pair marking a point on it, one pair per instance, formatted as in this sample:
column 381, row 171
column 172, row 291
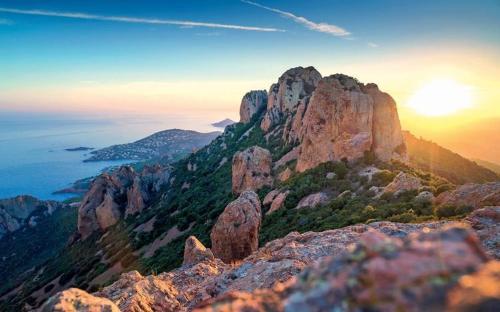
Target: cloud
column 320, row 27
column 4, row 21
column 373, row 45
column 125, row 19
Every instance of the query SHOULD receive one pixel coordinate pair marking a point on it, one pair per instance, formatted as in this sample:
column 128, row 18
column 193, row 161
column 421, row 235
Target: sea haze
column 33, row 159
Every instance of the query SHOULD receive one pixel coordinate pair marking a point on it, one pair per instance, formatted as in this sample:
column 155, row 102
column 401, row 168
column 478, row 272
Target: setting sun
column 441, row 97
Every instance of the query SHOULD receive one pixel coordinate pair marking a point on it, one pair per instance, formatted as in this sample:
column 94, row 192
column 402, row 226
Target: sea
column 33, row 156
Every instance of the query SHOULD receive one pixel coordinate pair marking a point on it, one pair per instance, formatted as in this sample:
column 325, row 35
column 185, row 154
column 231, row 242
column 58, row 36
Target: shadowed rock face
column 252, row 103
column 251, row 169
column 235, row 235
column 111, row 196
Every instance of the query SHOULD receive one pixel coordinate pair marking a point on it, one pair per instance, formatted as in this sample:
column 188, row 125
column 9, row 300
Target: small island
column 223, row 123
column 79, row 149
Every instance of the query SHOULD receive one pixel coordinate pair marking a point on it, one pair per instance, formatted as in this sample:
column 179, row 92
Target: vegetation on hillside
column 431, row 157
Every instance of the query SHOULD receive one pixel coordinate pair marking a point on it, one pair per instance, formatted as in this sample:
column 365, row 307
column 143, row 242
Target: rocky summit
column 309, row 203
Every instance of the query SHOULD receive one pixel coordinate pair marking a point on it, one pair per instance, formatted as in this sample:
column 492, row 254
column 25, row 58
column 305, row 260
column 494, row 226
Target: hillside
column 431, row 157
column 298, row 160
column 169, row 144
column 489, row 165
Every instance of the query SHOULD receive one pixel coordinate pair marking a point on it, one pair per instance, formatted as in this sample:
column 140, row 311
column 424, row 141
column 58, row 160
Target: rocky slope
column 169, row 144
column 280, row 171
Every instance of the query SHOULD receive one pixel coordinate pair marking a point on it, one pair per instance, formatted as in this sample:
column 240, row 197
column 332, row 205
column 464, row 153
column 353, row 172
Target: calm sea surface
column 33, row 159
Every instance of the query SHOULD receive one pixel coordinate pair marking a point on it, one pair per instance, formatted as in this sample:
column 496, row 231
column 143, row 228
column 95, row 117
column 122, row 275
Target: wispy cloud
column 126, row 19
column 4, row 21
column 373, row 45
column 321, row 27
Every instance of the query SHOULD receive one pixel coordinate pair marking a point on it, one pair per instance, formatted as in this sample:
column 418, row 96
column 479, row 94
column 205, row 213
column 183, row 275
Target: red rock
column 235, row 235
column 471, row 194
column 251, row 103
column 251, row 169
column 486, row 223
column 195, row 252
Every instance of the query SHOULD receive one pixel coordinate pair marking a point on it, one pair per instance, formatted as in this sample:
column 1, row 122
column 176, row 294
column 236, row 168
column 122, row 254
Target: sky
column 201, row 56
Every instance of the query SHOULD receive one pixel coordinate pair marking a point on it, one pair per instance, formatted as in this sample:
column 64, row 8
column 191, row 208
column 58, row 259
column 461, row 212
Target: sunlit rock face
column 252, row 102
column 345, row 119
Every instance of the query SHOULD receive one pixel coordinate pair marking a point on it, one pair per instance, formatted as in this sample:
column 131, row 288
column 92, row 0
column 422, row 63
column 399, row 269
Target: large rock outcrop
column 486, row 223
column 252, row 103
column 112, row 196
column 15, row 212
column 235, row 235
column 345, row 119
column 471, row 194
column 251, row 169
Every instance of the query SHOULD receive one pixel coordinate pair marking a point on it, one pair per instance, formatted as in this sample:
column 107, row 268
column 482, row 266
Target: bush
column 382, row 178
column 445, row 211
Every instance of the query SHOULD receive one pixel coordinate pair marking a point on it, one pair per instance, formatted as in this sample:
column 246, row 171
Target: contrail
column 126, row 19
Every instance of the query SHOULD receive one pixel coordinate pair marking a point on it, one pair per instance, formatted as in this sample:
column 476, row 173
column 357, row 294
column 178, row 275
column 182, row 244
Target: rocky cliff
column 18, row 212
column 122, row 193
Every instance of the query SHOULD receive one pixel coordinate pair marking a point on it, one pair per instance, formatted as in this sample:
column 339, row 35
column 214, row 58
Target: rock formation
column 122, row 193
column 278, row 202
column 251, row 169
column 16, row 212
column 235, row 235
column 345, row 119
column 76, row 300
column 252, row 103
column 195, row 252
column 294, row 88
column 471, row 194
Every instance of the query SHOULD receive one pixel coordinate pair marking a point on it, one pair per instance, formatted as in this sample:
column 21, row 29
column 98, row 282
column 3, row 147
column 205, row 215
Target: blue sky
column 45, row 51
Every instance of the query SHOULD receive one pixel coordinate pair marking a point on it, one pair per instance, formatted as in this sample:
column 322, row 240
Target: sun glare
column 441, row 97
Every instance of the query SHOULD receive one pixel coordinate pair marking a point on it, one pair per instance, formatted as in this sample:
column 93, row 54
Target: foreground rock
column 251, row 169
column 471, row 194
column 252, row 102
column 76, row 300
column 113, row 196
column 380, row 273
column 15, row 213
column 399, row 259
column 235, row 235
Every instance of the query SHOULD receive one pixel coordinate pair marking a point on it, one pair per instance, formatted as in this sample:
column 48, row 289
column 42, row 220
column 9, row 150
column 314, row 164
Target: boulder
column 403, row 182
column 278, row 202
column 285, row 174
column 195, row 252
column 76, row 300
column 472, row 194
column 252, row 102
column 235, row 235
column 268, row 199
column 424, row 197
column 251, row 169
column 313, row 200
